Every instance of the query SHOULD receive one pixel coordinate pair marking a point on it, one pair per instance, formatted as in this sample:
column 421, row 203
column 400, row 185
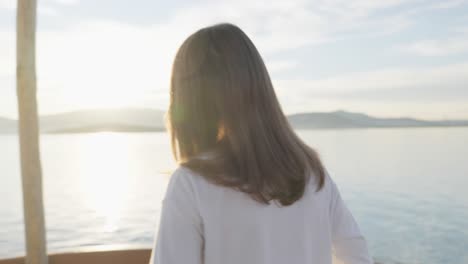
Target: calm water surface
column 406, row 187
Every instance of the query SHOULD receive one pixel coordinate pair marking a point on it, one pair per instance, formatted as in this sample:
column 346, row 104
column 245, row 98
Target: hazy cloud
column 64, row 2
column 422, row 87
column 448, row 4
column 438, row 47
column 7, row 4
column 442, row 77
column 89, row 60
column 11, row 4
column 428, row 92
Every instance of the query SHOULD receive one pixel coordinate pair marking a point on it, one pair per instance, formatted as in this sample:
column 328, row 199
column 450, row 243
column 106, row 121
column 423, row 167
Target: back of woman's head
column 226, row 122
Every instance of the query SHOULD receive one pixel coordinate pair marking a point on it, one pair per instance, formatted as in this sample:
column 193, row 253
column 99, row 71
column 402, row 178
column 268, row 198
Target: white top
column 205, row 223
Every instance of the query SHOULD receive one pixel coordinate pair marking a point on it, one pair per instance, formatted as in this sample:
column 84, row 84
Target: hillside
column 121, row 120
column 7, row 125
column 343, row 119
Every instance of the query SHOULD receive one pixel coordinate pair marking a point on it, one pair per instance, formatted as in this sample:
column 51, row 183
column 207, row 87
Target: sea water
column 407, row 188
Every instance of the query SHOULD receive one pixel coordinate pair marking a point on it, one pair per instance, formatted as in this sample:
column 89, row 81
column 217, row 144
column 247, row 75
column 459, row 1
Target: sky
column 387, row 58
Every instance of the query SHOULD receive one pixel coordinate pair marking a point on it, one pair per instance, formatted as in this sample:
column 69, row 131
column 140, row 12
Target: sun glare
column 105, row 178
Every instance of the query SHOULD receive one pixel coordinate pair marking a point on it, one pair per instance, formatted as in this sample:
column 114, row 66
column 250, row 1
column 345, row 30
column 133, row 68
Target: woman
column 248, row 189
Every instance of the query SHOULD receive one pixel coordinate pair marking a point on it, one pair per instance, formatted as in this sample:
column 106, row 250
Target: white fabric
column 202, row 223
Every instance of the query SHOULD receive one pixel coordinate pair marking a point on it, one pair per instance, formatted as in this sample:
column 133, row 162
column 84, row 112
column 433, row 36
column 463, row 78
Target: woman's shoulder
column 184, row 182
column 328, row 183
column 328, row 190
column 180, row 183
column 182, row 176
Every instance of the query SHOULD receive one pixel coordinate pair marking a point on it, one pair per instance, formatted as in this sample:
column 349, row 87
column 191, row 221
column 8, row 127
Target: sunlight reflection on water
column 104, row 177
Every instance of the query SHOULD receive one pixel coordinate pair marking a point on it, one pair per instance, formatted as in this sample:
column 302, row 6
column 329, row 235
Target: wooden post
column 29, row 133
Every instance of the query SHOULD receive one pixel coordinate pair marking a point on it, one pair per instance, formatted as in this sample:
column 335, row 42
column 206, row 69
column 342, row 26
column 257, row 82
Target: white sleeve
column 348, row 243
column 180, row 237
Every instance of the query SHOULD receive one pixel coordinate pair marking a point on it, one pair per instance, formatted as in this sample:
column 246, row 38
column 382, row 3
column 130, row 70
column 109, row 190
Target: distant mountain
column 121, row 120
column 147, row 120
column 7, row 125
column 343, row 119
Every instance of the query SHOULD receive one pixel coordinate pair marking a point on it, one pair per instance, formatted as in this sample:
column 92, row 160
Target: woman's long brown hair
column 226, row 122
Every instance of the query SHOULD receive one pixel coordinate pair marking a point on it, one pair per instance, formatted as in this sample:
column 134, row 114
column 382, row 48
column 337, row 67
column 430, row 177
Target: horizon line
column 288, row 114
